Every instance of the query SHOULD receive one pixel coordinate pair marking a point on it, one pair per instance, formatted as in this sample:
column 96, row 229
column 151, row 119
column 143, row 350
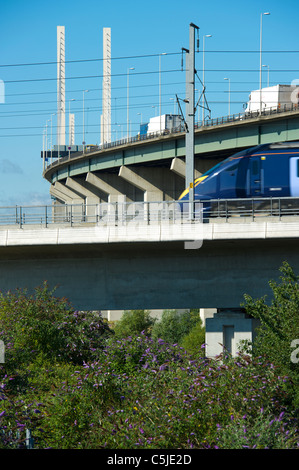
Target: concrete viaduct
column 119, row 267
column 154, row 169
column 150, row 267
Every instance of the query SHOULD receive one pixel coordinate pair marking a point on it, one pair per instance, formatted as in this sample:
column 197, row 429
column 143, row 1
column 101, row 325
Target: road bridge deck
column 154, row 168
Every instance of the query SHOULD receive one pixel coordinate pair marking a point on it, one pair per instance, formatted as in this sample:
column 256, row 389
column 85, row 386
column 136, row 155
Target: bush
column 89, row 389
column 266, row 431
column 279, row 326
column 133, row 322
column 45, row 327
column 150, row 394
column 174, row 325
column 194, row 341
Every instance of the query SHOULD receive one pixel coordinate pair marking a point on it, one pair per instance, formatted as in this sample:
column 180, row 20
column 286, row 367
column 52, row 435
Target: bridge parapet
column 150, row 222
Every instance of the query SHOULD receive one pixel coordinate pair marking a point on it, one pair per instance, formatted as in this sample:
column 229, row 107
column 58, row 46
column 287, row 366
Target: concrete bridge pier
column 157, row 184
column 201, row 165
column 114, row 188
column 91, row 200
column 226, row 329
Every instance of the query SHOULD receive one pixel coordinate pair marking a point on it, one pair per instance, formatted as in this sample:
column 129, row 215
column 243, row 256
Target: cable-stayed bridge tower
column 60, row 85
column 106, row 95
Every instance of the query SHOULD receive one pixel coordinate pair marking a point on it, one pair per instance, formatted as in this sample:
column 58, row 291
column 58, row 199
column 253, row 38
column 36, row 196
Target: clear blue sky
column 139, row 30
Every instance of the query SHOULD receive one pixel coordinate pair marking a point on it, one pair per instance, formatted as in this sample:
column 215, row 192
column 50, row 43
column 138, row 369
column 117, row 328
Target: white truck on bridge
column 164, row 123
column 273, row 98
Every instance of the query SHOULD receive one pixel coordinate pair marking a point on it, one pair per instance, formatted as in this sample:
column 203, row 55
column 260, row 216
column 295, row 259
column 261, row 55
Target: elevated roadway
column 154, row 169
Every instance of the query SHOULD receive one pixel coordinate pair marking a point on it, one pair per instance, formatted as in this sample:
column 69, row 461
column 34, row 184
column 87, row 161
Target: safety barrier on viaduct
column 133, row 261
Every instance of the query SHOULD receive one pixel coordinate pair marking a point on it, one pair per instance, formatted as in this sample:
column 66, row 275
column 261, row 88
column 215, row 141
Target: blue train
column 264, row 171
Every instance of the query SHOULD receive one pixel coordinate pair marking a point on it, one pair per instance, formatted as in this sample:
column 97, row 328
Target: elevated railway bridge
column 152, row 168
column 146, row 255
column 114, row 238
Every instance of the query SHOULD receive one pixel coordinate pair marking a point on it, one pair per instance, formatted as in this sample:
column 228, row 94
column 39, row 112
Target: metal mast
column 72, row 129
column 60, row 86
column 190, row 114
column 106, row 104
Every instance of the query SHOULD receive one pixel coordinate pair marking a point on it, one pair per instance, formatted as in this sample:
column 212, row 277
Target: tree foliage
column 133, row 322
column 45, row 326
column 175, row 325
column 279, row 324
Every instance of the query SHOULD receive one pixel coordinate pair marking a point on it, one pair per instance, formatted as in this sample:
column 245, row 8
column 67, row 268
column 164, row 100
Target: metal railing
column 174, row 212
column 208, row 122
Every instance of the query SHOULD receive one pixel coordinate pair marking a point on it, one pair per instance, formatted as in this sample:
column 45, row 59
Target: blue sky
column 140, row 31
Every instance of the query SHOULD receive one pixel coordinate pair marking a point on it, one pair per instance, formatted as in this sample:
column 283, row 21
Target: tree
column 194, row 340
column 42, row 325
column 279, row 325
column 174, row 325
column 133, row 322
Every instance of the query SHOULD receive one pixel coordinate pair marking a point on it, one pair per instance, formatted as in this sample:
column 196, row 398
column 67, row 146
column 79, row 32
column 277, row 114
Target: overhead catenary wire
column 142, row 56
column 92, row 109
column 151, row 72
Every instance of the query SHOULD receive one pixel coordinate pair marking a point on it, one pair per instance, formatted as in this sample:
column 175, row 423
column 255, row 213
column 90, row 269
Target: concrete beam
column 60, row 196
column 79, row 188
column 148, row 275
column 91, row 200
column 151, row 192
column 157, row 183
column 179, row 167
column 114, row 194
column 71, row 196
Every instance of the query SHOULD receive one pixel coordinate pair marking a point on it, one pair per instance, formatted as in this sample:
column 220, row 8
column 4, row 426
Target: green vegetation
column 77, row 383
column 133, row 322
column 279, row 327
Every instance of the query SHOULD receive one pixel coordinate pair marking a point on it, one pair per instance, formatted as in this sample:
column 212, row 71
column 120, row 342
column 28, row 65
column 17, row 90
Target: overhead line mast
column 190, row 115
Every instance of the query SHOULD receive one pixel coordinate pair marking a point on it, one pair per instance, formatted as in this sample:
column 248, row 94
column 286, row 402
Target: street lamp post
column 203, row 75
column 268, row 81
column 174, row 103
column 43, row 150
column 48, row 120
column 70, row 129
column 83, row 142
column 228, row 95
column 128, row 74
column 53, row 114
column 160, row 111
column 261, row 36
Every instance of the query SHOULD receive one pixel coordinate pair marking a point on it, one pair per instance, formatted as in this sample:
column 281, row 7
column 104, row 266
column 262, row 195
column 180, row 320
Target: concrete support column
column 179, row 167
column 69, row 196
column 91, row 200
column 114, row 194
column 59, row 195
column 226, row 329
column 205, row 313
column 74, row 203
column 151, row 192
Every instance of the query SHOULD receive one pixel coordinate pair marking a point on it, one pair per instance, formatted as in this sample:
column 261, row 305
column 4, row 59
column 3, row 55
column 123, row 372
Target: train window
column 255, row 167
column 233, row 167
